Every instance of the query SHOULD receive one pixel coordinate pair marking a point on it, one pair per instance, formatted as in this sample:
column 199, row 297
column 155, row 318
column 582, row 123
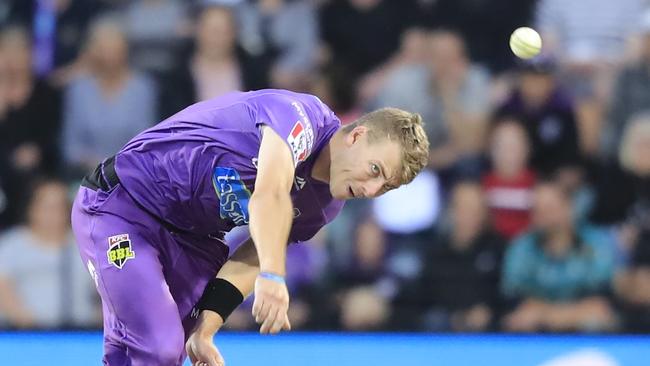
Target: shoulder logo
column 119, row 250
column 298, row 142
column 301, row 138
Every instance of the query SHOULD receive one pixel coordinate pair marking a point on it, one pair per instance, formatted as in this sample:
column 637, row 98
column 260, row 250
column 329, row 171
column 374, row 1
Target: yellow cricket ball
column 525, row 42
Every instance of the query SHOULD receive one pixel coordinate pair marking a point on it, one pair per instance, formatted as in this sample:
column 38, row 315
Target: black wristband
column 220, row 296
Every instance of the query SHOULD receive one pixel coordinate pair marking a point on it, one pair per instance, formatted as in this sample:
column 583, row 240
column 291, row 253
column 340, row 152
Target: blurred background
column 532, row 217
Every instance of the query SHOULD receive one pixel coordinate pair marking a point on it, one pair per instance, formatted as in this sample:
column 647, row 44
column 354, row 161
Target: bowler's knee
column 162, row 349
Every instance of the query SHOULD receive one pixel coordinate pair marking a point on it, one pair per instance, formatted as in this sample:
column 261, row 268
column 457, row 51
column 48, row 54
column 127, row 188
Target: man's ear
column 353, row 136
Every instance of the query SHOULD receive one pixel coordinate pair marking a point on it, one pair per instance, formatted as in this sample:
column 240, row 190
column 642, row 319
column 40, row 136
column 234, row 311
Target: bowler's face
column 363, row 169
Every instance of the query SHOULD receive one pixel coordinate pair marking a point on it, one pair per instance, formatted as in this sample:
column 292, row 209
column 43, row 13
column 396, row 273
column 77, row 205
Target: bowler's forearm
column 270, row 222
column 242, row 268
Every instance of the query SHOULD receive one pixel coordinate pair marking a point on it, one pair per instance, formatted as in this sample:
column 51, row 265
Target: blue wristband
column 272, row 277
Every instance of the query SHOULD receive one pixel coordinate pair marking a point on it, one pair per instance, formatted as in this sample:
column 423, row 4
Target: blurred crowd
column 534, row 213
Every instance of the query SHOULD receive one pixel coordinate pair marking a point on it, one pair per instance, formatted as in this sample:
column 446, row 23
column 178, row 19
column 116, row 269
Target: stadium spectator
column 591, row 40
column 466, row 255
column 632, row 286
column 109, row 105
column 548, row 115
column 29, row 121
column 363, row 34
column 334, row 86
column 623, row 188
column 508, row 185
column 43, row 283
column 631, row 94
column 58, row 29
column 482, row 24
column 559, row 273
column 214, row 67
column 154, row 43
column 623, row 201
column 364, row 289
column 451, row 94
column 280, row 38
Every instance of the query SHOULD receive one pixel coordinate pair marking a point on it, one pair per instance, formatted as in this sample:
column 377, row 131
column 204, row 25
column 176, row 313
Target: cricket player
column 150, row 221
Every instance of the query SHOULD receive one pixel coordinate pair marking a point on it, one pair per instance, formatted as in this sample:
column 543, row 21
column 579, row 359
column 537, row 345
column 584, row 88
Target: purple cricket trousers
column 148, row 276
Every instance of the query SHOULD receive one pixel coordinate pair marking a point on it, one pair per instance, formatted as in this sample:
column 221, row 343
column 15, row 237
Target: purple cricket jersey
column 197, row 169
column 194, row 171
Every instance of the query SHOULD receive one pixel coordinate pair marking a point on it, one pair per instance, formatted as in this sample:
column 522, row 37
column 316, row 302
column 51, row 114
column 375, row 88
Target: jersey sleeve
column 288, row 117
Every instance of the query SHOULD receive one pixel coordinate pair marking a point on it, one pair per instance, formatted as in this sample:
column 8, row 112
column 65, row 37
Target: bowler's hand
column 271, row 305
column 200, row 346
column 202, row 351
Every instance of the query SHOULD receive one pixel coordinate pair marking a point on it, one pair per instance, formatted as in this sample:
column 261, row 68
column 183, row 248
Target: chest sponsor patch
column 233, row 195
column 119, row 250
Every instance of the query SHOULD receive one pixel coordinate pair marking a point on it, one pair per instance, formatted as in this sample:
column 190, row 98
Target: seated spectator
column 631, row 94
column 624, row 200
column 43, row 283
column 333, row 85
column 459, row 286
column 280, row 38
column 365, row 283
column 109, row 105
column 363, row 309
column 590, row 50
column 452, row 96
column 623, row 187
column 155, row 42
column 215, row 66
column 558, row 274
column 363, row 34
column 58, row 29
column 509, row 184
column 548, row 116
column 29, row 121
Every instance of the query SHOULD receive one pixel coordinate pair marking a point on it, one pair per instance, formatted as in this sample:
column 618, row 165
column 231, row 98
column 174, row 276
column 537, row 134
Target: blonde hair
column 402, row 127
column 637, row 128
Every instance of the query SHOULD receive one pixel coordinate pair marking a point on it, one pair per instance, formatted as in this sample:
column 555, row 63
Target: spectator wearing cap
column 591, row 39
column 631, row 95
column 547, row 113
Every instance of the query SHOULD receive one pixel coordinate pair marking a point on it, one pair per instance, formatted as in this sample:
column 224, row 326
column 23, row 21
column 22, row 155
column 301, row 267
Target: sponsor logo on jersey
column 233, row 195
column 306, row 125
column 119, row 250
column 298, row 142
